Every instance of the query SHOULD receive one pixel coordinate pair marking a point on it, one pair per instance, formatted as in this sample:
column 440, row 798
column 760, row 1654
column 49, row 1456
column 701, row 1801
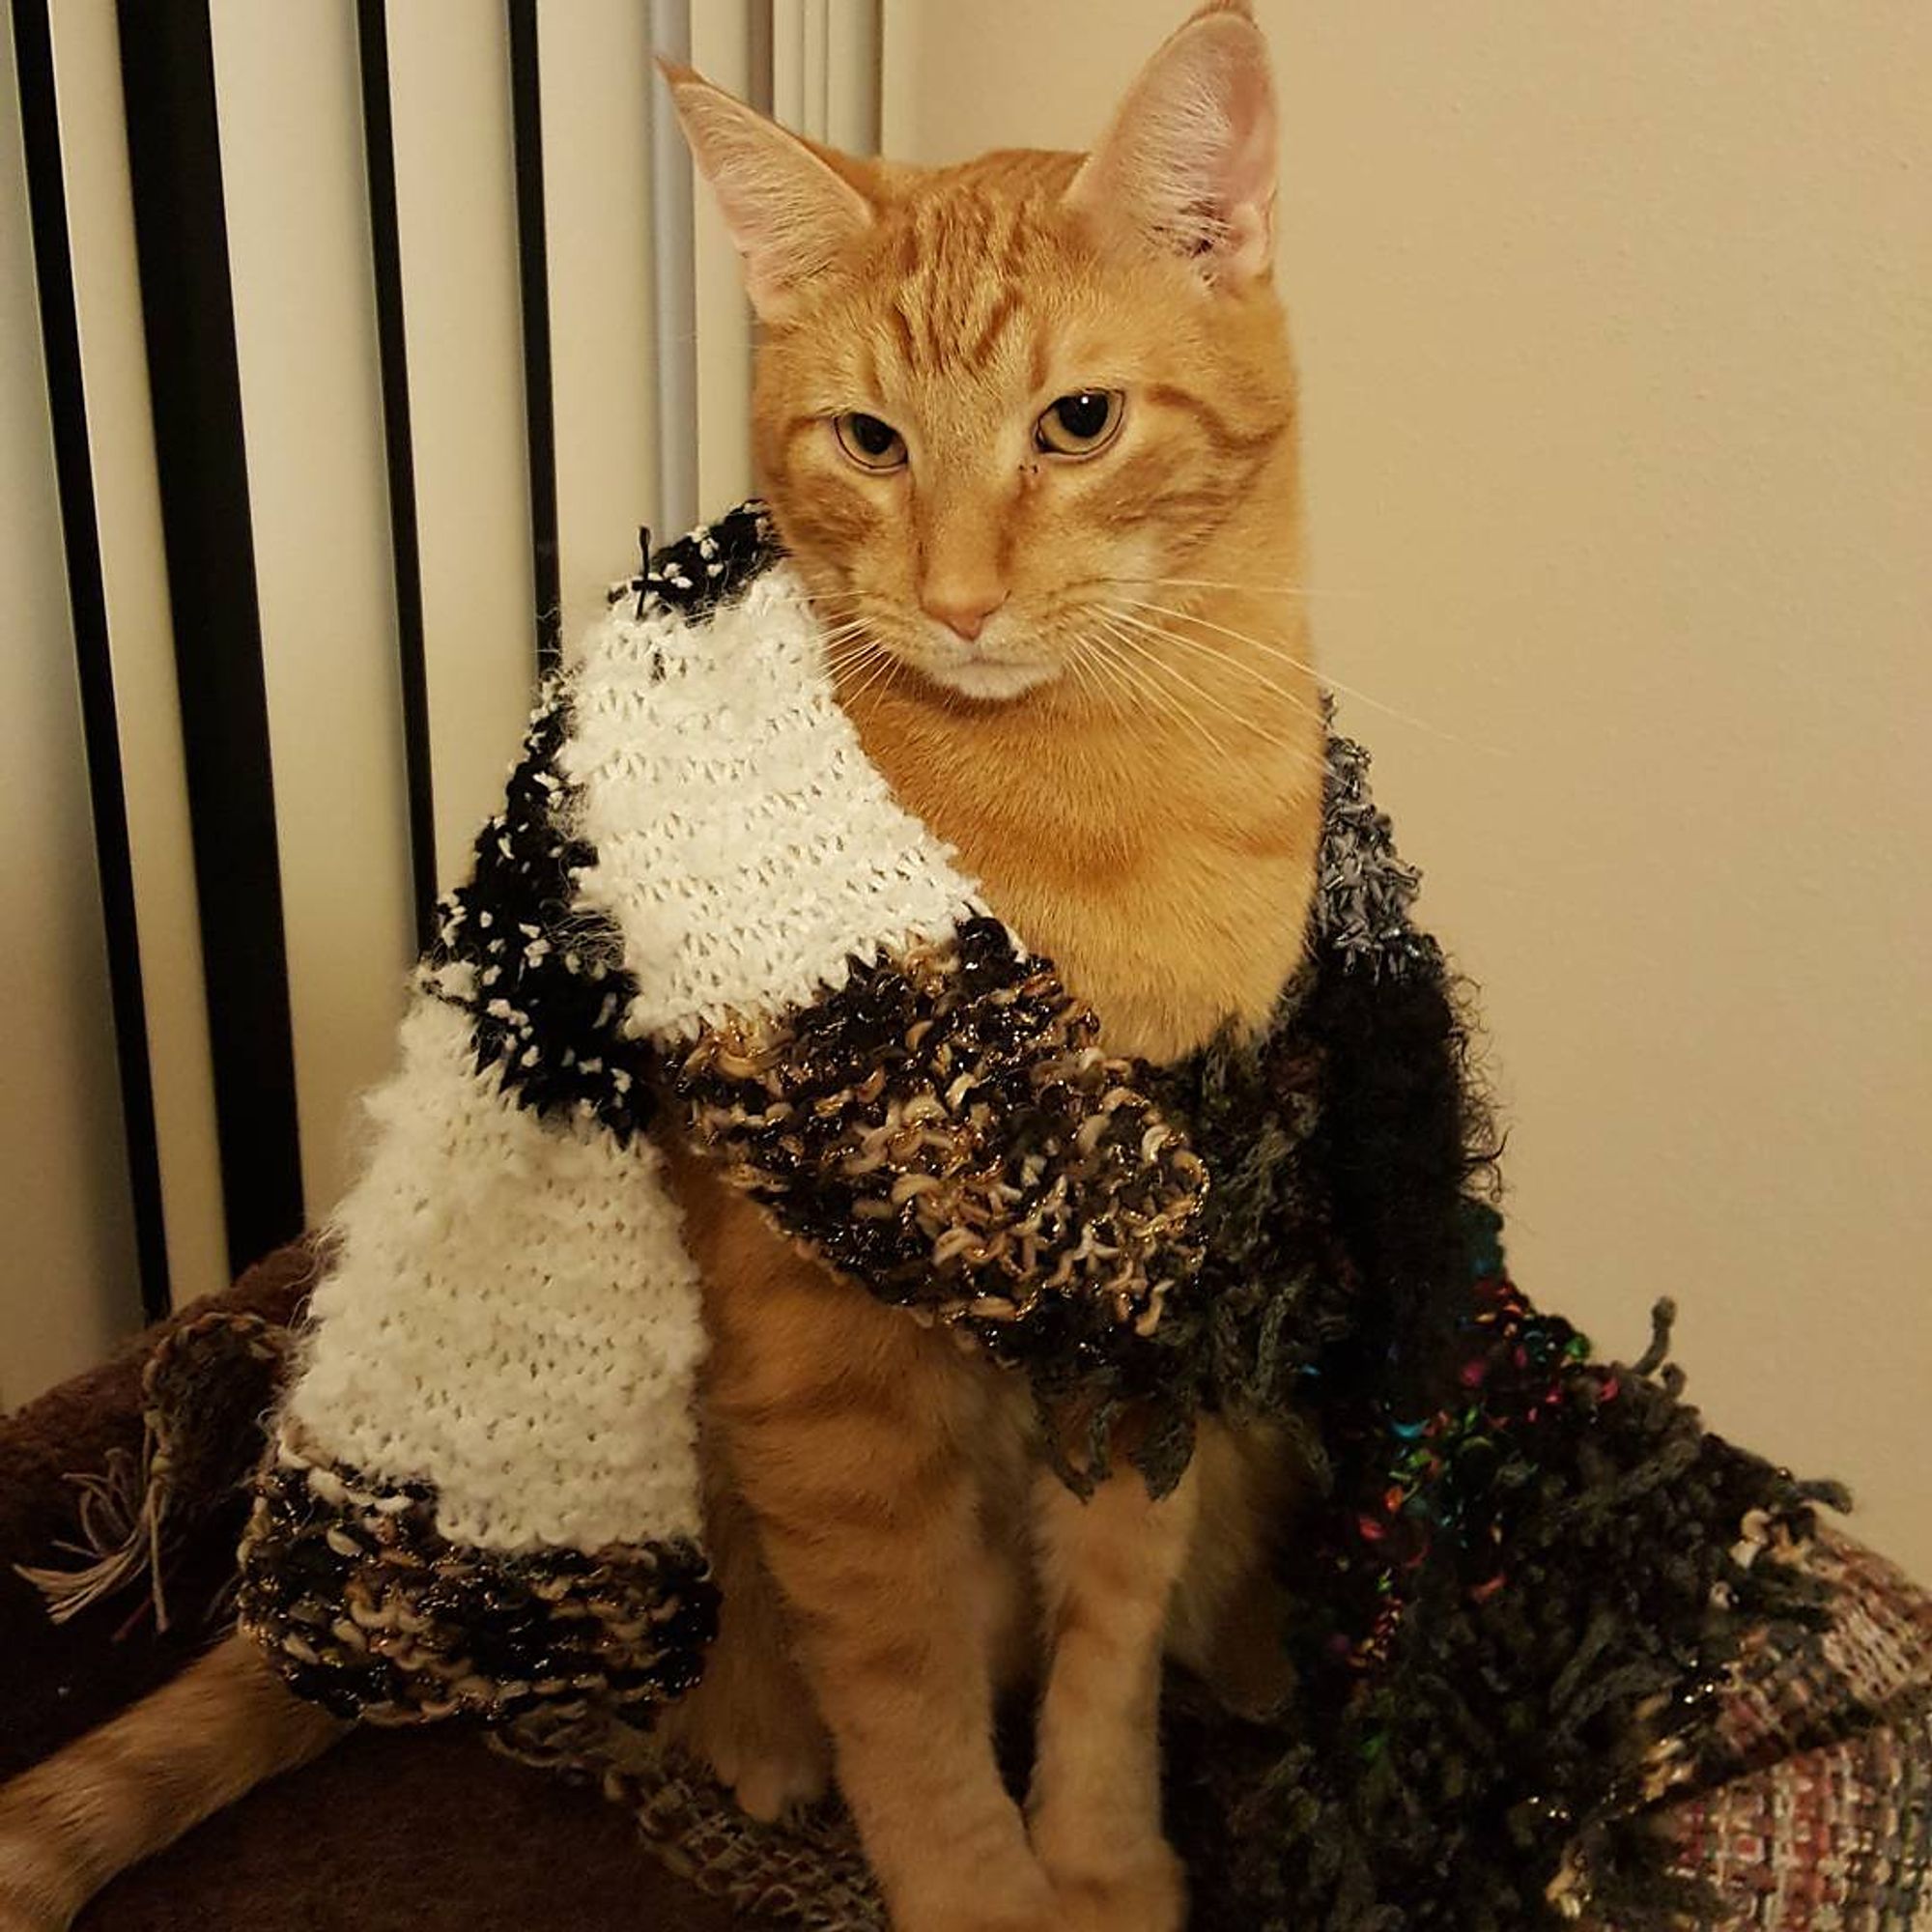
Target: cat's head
column 995, row 401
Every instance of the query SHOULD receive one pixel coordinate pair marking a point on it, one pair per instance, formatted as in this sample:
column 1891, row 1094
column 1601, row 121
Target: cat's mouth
column 991, row 680
column 988, row 669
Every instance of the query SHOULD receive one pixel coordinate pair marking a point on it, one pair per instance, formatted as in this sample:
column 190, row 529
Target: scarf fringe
column 204, row 1390
column 118, row 1515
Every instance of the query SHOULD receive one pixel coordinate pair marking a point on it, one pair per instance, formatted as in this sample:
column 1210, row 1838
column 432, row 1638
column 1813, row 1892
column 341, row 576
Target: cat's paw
column 772, row 1755
column 752, row 1724
column 773, row 1781
column 1150, row 1895
column 1108, row 1871
column 1025, row 1908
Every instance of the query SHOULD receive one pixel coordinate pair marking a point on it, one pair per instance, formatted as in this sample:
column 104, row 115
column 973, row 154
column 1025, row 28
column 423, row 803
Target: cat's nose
column 964, row 612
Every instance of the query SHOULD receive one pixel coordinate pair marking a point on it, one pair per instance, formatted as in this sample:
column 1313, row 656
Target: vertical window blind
column 370, row 332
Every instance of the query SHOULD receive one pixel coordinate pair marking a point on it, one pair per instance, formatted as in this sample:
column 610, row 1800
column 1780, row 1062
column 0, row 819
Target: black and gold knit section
column 363, row 1608
column 945, row 1129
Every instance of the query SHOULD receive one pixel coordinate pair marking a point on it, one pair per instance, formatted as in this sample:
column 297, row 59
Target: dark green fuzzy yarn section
column 1443, row 1786
column 1275, row 1292
column 1270, row 1295
column 1570, row 1565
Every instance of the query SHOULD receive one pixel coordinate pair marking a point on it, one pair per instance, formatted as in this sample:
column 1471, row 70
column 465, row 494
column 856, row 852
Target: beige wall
column 1615, row 325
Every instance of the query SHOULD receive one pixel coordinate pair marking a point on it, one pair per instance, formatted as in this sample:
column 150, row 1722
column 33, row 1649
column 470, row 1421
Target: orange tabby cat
column 1027, row 429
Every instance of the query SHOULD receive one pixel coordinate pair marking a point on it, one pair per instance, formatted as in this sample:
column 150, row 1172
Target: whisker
column 1109, row 659
column 1080, row 671
column 849, row 642
column 855, row 647
column 1174, row 671
column 1227, row 584
column 1138, row 672
column 851, row 656
column 1157, row 667
column 1093, row 666
column 1247, row 719
column 847, row 655
column 881, row 675
column 856, row 627
column 833, row 605
column 1102, row 663
column 1288, row 657
column 1247, row 670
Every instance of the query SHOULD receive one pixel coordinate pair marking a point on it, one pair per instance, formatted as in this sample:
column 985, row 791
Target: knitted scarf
column 703, row 913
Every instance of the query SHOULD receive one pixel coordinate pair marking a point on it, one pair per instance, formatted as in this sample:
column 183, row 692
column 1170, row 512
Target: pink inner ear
column 1250, row 165
column 789, row 213
column 1189, row 162
column 1248, row 171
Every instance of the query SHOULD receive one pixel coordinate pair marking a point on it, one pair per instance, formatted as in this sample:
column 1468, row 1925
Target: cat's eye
column 1080, row 424
column 871, row 444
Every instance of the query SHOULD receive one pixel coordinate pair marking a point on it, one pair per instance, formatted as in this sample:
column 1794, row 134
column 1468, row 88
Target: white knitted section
column 747, row 847
column 513, row 1317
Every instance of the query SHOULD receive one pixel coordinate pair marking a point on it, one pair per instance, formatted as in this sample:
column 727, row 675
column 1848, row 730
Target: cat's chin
column 989, row 680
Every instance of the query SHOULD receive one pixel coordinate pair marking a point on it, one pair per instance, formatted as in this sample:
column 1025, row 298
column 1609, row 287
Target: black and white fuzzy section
column 745, row 850
column 493, row 1396
column 542, row 979
column 707, row 567
column 511, row 1314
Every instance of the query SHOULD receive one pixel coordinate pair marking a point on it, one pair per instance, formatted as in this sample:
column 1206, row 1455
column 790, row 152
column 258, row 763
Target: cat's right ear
column 1187, row 168
column 789, row 215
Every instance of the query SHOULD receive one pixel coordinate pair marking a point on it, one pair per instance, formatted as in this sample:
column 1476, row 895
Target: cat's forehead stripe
column 981, row 349
column 960, row 265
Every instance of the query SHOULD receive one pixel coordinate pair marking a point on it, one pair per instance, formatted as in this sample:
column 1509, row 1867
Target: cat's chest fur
column 1179, row 942
column 1169, row 887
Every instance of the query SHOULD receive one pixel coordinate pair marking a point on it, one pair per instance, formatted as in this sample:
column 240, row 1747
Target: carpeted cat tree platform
column 1819, row 1821
column 421, row 1829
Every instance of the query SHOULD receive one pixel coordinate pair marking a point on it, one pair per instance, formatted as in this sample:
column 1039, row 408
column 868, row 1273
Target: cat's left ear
column 1188, row 166
column 790, row 214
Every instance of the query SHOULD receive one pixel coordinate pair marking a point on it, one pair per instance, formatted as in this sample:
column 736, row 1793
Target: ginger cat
column 1026, row 427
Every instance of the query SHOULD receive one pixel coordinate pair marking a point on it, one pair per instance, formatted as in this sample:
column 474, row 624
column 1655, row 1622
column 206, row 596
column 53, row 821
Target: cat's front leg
column 1108, row 1566
column 751, row 1722
column 856, row 1439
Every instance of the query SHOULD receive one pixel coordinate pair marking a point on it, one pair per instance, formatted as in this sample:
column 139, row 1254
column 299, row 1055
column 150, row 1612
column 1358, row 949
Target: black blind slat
column 168, row 71
column 392, row 349
column 87, row 598
column 533, row 272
